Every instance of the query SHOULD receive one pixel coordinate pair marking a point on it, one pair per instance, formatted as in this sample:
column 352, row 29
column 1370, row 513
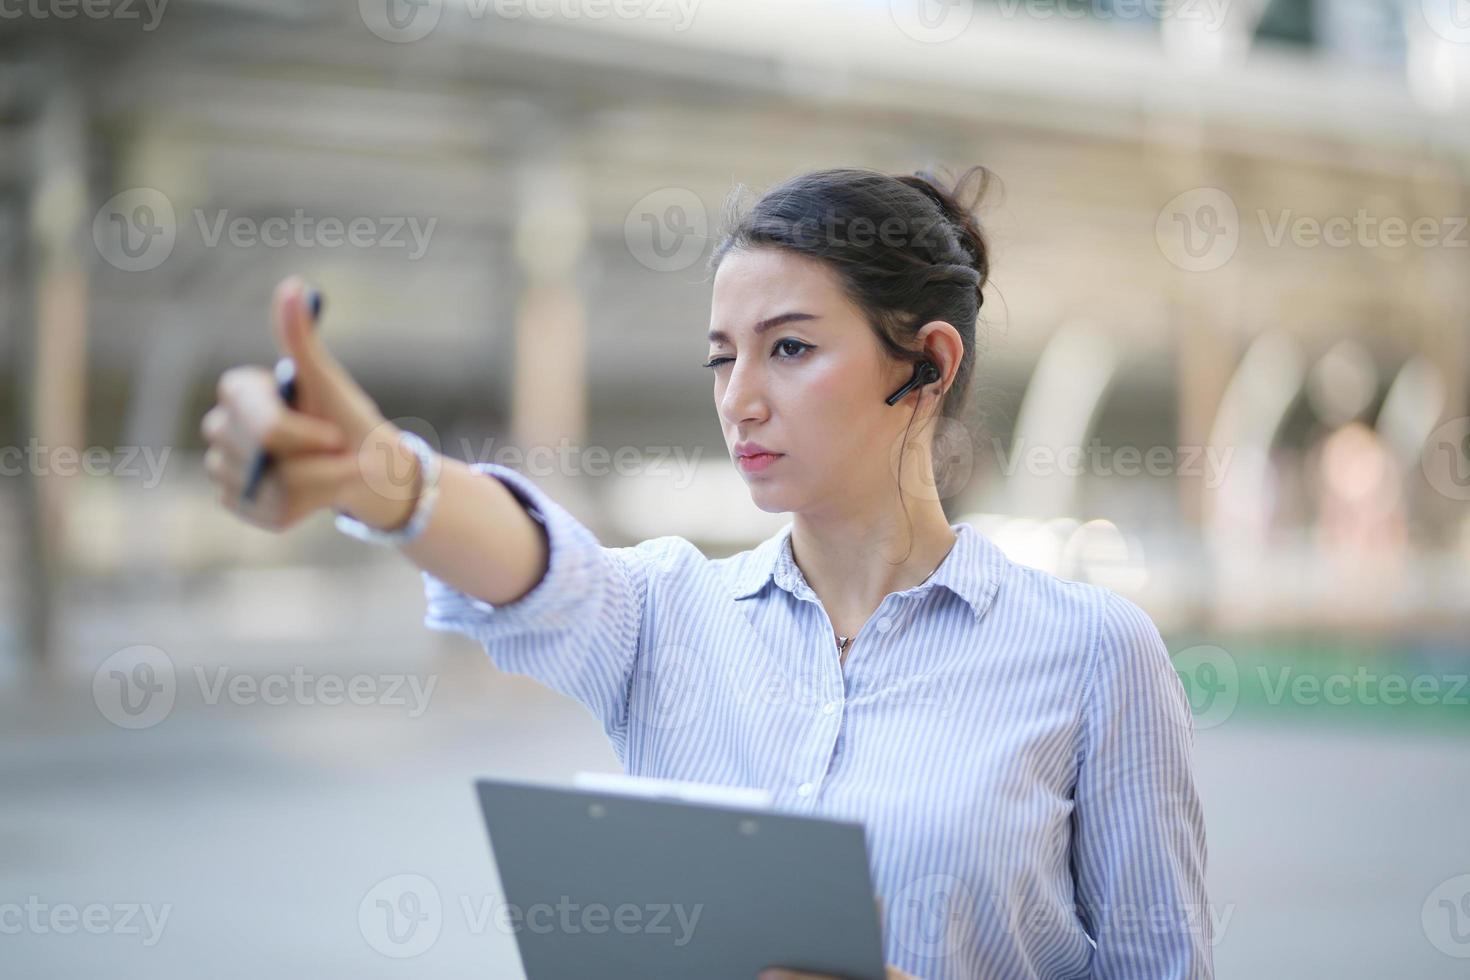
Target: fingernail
column 314, row 303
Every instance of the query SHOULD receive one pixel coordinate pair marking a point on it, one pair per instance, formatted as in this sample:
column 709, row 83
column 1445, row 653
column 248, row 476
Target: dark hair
column 906, row 248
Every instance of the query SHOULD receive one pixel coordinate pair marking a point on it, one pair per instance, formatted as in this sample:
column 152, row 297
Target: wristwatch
column 423, row 506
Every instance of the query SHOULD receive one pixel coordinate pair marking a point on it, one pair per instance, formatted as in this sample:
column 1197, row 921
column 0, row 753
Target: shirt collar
column 971, row 570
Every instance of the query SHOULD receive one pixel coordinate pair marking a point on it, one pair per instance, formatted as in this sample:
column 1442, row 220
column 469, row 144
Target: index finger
column 292, row 432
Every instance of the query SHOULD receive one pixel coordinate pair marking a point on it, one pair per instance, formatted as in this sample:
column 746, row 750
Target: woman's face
column 799, row 372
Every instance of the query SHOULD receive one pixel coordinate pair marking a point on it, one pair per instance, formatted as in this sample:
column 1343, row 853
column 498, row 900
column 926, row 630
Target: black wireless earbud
column 924, row 373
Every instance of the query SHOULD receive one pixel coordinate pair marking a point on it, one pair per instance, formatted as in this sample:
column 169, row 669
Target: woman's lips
column 758, row 462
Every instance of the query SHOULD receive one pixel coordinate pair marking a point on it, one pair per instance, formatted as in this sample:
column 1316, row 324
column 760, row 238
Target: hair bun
column 957, row 201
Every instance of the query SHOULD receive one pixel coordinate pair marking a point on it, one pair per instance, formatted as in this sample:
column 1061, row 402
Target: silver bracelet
column 423, row 507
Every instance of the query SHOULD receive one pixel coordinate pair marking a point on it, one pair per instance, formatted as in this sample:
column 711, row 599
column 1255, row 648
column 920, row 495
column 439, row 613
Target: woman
column 1017, row 746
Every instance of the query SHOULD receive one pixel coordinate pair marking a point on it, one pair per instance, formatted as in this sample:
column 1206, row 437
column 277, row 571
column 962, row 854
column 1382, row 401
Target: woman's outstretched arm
column 502, row 561
column 335, row 449
column 479, row 538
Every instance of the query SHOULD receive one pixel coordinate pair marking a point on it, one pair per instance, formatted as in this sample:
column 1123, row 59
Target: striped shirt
column 1016, row 746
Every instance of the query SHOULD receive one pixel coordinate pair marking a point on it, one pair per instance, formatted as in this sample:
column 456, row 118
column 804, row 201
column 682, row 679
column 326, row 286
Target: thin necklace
column 842, row 642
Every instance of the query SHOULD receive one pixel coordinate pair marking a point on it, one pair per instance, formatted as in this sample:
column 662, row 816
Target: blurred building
column 1228, row 327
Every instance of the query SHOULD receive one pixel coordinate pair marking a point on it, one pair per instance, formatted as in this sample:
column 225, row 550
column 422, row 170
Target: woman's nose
column 744, row 397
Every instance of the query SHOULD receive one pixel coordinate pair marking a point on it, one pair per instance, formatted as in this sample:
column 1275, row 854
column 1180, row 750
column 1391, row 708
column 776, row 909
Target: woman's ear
column 943, row 346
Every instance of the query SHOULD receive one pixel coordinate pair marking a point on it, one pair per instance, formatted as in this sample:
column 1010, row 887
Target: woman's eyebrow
column 770, row 323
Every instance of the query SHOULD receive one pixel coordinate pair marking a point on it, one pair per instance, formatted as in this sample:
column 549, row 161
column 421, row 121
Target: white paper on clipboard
column 674, row 789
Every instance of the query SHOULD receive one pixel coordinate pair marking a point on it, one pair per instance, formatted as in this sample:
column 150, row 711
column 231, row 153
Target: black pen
column 286, row 388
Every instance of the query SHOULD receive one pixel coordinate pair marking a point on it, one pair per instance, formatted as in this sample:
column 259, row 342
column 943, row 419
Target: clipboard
column 627, row 877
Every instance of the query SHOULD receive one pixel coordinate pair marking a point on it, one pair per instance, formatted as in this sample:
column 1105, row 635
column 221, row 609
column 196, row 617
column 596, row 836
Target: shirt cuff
column 574, row 554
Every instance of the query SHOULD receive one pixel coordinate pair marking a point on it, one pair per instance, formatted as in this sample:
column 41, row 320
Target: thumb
column 294, row 309
column 324, row 387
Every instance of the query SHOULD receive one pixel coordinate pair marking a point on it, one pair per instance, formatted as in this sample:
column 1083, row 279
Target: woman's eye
column 793, row 349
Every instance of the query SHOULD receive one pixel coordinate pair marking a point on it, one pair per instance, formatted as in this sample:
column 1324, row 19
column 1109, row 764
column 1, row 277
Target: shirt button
column 829, row 707
column 885, row 624
column 805, row 789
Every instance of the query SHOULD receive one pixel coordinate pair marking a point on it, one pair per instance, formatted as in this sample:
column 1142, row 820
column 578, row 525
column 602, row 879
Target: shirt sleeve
column 1139, row 852
column 578, row 629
